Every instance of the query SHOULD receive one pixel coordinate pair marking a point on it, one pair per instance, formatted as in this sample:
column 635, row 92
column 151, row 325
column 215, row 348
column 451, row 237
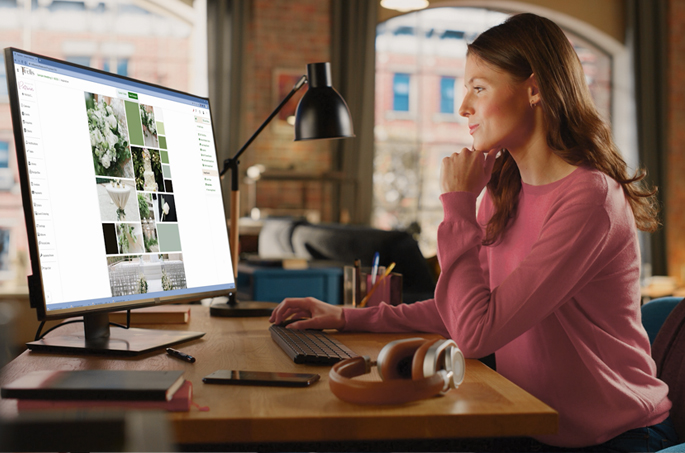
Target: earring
column 532, row 104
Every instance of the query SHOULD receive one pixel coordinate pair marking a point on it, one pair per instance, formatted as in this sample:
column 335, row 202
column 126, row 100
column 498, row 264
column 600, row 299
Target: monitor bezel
column 36, row 289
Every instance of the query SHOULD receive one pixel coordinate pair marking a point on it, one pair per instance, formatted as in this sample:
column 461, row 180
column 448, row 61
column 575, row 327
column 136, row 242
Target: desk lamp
column 321, row 114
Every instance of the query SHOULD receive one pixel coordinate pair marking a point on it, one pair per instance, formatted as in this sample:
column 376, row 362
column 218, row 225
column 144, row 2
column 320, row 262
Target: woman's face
column 497, row 107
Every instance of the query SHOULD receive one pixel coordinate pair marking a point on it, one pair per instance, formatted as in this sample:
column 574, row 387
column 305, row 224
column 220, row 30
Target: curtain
column 647, row 35
column 353, row 66
column 227, row 22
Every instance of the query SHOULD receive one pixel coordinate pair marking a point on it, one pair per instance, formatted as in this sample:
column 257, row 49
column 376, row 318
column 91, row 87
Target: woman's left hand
column 467, row 171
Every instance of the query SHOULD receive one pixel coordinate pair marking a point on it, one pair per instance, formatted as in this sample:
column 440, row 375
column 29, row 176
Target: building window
column 452, row 34
column 83, row 61
column 447, row 95
column 6, row 173
column 402, row 30
column 121, row 64
column 4, row 154
column 400, row 91
column 4, row 250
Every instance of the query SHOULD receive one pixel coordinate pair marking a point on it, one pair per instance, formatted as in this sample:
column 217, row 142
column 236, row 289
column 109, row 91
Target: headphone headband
column 440, row 366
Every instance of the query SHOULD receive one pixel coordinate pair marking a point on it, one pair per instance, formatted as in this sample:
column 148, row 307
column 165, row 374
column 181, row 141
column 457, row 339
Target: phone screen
column 261, row 378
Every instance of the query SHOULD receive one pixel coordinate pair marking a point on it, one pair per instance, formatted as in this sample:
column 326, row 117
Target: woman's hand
column 321, row 314
column 467, row 171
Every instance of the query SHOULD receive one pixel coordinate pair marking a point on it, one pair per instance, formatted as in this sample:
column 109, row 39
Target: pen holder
column 388, row 289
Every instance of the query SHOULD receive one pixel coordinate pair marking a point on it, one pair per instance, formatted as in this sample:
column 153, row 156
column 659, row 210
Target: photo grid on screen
column 133, row 180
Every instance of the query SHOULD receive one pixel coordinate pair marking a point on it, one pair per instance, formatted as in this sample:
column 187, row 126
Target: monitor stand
column 98, row 338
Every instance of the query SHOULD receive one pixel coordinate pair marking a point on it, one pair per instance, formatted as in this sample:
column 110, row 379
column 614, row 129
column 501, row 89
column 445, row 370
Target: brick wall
column 283, row 37
column 675, row 156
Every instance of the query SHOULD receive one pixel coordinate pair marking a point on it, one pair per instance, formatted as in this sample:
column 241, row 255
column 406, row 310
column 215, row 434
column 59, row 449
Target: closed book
column 159, row 314
column 130, row 385
column 179, row 402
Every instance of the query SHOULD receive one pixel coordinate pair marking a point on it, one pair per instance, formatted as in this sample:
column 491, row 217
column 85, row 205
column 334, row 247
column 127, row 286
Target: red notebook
column 96, row 385
column 180, row 402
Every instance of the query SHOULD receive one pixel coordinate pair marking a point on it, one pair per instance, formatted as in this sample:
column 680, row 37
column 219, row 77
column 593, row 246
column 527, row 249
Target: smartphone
column 261, row 378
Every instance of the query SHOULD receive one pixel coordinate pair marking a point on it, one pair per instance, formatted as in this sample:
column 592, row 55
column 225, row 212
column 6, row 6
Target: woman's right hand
column 320, row 314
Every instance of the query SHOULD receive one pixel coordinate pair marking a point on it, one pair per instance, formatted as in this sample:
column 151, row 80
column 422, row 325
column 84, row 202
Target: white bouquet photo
column 108, row 136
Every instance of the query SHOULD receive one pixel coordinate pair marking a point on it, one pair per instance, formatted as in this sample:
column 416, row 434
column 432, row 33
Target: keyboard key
column 310, row 346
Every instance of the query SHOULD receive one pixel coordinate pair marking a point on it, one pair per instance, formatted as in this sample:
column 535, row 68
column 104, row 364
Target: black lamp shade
column 322, row 113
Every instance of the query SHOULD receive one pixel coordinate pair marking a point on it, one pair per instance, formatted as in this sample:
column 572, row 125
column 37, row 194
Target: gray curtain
column 227, row 21
column 647, row 35
column 353, row 64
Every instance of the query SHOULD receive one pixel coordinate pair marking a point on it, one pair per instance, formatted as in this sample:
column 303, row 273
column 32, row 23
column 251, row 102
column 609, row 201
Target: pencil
column 378, row 283
column 357, row 281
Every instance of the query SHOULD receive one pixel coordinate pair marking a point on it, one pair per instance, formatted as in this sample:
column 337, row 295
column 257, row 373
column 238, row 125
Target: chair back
column 668, row 351
column 655, row 312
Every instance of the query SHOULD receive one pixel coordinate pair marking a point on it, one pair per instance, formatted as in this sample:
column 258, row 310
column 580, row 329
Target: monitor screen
column 121, row 189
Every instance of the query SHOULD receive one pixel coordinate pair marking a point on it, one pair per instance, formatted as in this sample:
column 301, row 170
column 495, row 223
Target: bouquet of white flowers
column 148, row 121
column 109, row 142
column 166, row 281
column 142, row 284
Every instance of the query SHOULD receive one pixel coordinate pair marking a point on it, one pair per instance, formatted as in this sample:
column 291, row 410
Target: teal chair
column 664, row 320
column 655, row 312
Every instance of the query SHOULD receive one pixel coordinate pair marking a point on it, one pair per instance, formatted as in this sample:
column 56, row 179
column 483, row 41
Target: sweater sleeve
column 417, row 317
column 482, row 320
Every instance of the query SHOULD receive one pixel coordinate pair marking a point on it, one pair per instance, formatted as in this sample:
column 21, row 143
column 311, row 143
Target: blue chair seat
column 655, row 312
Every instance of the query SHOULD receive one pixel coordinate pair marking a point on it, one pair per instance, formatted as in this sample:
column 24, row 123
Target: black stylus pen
column 180, row 355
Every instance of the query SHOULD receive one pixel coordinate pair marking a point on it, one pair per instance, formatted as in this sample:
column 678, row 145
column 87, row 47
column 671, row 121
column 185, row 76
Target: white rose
column 97, row 138
column 118, row 109
column 111, row 138
column 105, row 160
column 111, row 122
column 165, row 208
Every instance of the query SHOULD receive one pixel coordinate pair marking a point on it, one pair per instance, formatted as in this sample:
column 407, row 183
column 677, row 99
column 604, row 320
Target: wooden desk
column 485, row 405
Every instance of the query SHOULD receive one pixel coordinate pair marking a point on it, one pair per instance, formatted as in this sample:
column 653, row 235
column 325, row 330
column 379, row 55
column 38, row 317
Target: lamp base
column 235, row 309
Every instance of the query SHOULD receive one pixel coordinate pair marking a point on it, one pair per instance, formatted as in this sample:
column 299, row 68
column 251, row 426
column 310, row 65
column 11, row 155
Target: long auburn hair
column 527, row 44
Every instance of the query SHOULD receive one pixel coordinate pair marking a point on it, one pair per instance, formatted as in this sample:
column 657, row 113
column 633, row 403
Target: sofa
column 340, row 245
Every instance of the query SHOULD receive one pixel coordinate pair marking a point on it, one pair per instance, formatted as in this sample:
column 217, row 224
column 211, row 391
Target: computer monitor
column 122, row 199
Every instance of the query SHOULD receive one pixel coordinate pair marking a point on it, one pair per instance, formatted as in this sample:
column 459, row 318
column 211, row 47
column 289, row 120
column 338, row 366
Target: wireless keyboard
column 310, row 346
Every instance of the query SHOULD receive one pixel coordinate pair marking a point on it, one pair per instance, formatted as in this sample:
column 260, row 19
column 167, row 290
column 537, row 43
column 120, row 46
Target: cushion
column 275, row 237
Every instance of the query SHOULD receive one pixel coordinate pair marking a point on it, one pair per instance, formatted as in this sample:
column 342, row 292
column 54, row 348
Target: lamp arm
column 232, row 162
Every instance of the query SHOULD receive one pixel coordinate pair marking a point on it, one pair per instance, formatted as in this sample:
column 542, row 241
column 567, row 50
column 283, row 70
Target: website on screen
column 124, row 184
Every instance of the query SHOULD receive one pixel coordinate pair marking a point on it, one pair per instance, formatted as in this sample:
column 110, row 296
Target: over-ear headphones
column 410, row 369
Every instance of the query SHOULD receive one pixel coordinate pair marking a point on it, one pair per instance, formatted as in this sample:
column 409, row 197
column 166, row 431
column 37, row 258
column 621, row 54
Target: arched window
column 420, row 60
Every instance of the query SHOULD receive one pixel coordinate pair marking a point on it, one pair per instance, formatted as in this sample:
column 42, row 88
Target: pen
column 373, row 288
column 374, row 268
column 180, row 355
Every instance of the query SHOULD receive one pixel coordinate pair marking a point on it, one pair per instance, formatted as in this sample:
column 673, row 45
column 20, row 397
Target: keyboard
column 310, row 346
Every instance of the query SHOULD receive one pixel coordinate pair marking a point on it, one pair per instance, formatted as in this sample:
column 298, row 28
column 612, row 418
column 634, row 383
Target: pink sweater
column 558, row 300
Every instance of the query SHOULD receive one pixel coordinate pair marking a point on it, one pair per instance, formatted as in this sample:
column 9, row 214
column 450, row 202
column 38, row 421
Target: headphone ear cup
column 395, row 360
column 419, row 358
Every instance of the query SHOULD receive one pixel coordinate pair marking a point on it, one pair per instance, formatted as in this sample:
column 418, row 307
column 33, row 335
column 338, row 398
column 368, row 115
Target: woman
column 546, row 275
